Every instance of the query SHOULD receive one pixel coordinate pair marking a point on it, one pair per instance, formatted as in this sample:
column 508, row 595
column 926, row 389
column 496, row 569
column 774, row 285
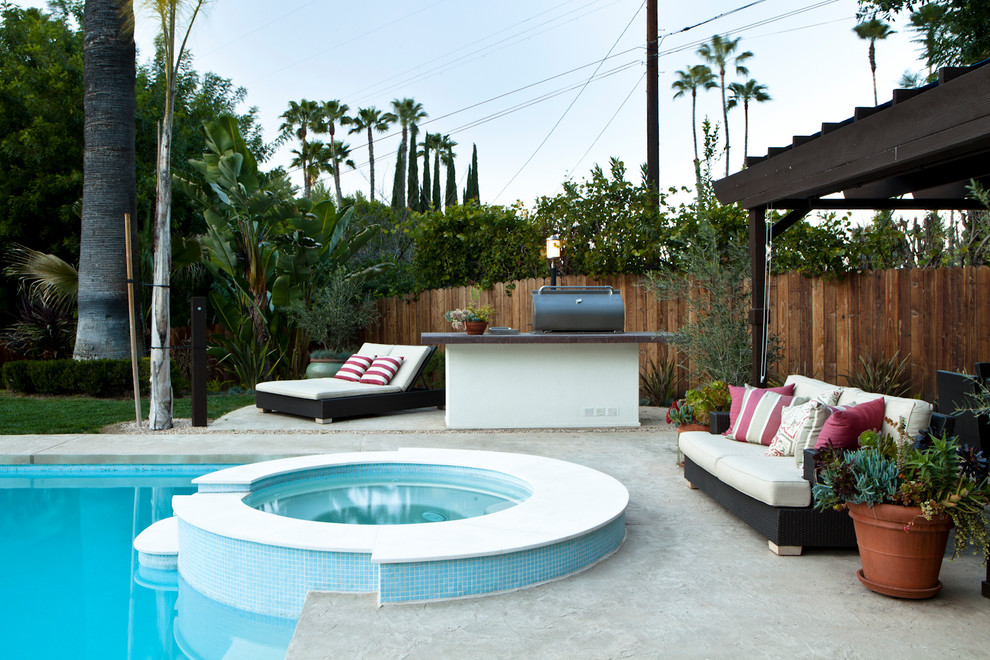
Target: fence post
column 198, row 369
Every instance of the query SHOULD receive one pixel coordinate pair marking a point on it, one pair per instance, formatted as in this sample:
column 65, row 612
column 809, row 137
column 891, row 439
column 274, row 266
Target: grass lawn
column 23, row 415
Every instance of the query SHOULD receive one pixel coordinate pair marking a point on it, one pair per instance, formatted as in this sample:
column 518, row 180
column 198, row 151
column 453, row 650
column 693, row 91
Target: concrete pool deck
column 690, row 581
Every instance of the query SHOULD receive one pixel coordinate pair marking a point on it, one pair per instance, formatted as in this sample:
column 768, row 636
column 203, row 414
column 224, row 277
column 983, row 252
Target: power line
column 608, row 123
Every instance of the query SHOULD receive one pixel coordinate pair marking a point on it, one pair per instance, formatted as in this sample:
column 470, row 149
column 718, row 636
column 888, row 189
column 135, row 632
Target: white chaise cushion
column 706, row 450
column 413, row 358
column 772, row 480
column 322, row 388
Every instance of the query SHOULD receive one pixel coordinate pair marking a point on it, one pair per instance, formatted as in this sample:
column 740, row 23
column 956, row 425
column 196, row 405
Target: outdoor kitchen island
column 542, row 379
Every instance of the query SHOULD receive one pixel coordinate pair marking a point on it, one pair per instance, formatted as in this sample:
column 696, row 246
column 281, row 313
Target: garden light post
column 553, row 253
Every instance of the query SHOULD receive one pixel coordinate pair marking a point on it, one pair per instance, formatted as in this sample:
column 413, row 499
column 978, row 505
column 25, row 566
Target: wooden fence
column 936, row 318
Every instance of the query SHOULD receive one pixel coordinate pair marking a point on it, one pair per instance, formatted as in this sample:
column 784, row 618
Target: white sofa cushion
column 772, row 480
column 814, row 389
column 322, row 388
column 705, row 449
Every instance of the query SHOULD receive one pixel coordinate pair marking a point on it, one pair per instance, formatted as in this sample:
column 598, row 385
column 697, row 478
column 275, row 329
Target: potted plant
column 904, row 497
column 713, row 397
column 472, row 319
column 338, row 311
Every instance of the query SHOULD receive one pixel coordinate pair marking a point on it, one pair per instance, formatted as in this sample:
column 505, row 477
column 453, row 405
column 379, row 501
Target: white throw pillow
column 796, row 423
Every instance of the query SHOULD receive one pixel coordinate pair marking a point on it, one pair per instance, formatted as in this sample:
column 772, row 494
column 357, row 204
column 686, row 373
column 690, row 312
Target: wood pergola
column 928, row 143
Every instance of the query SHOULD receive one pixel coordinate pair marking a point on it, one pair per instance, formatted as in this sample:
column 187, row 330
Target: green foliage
column 963, row 38
column 338, row 311
column 816, row 249
column 474, row 244
column 658, row 381
column 99, row 378
column 708, row 399
column 881, row 376
column 41, row 330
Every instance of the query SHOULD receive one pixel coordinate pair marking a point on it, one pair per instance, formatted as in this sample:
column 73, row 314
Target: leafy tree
column 326, row 122
column 964, row 37
column 370, row 119
column 409, row 113
column 300, row 118
column 743, row 93
column 816, row 249
column 873, row 30
column 690, row 80
column 108, row 179
column 719, row 52
column 928, row 21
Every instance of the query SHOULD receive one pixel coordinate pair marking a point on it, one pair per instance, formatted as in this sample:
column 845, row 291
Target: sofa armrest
column 809, row 466
column 718, row 422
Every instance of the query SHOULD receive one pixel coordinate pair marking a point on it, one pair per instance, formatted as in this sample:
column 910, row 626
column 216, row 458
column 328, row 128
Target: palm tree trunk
column 873, row 71
column 745, row 129
column 725, row 118
column 371, row 162
column 336, row 168
column 160, row 415
column 694, row 132
column 108, row 181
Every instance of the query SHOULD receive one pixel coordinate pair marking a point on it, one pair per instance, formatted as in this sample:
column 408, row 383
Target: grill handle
column 576, row 289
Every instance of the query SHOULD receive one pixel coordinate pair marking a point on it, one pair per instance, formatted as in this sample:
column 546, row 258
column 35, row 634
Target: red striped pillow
column 382, row 370
column 759, row 416
column 354, row 368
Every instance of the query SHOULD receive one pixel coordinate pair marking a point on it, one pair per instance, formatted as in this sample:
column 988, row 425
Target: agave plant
column 658, row 380
column 887, row 377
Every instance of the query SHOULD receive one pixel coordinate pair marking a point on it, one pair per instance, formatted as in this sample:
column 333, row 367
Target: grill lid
column 578, row 309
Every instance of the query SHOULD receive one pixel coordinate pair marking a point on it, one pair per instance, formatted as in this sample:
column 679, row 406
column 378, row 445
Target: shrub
column 96, row 378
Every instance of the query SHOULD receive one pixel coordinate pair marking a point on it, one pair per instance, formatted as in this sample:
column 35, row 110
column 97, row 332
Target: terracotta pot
column 475, row 327
column 900, row 550
column 692, row 427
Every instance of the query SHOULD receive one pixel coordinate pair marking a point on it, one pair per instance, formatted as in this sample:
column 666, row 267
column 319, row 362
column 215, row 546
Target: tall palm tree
column 873, row 30
column 409, row 112
column 171, row 15
column 330, row 113
column 312, row 159
column 743, row 93
column 302, row 117
column 108, row 179
column 446, row 150
column 690, row 80
column 718, row 52
column 370, row 119
column 929, row 22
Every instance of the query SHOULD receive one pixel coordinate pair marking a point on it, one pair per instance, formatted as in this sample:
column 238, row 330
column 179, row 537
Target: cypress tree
column 436, row 179
column 412, row 187
column 450, row 191
column 425, row 199
column 471, row 191
column 399, row 182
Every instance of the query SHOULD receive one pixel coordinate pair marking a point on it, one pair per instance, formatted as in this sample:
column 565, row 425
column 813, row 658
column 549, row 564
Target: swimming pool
column 71, row 587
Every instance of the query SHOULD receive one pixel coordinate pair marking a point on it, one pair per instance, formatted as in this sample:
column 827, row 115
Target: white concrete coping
column 568, row 501
column 159, row 538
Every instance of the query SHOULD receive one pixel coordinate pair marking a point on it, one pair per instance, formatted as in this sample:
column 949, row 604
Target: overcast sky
column 512, row 76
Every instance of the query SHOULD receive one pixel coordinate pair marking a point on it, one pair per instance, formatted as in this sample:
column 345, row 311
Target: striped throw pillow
column 355, row 367
column 382, row 370
column 759, row 416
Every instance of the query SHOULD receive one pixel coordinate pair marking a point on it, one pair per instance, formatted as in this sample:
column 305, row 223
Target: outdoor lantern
column 553, row 253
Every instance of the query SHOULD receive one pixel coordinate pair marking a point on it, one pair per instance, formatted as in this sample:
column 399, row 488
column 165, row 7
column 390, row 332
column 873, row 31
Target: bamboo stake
column 135, row 378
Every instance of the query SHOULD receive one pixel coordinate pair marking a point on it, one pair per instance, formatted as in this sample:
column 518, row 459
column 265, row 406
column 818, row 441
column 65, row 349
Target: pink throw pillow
column 354, row 368
column 737, row 393
column 843, row 426
column 759, row 416
column 382, row 370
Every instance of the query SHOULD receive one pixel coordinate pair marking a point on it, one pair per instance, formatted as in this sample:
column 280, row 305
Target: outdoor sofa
column 324, row 399
column 772, row 494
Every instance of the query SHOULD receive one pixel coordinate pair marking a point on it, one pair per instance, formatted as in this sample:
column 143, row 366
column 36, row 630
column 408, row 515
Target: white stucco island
column 542, row 380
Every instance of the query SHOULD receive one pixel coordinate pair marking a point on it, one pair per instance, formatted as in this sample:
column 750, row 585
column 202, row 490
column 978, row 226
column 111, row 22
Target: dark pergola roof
column 928, row 142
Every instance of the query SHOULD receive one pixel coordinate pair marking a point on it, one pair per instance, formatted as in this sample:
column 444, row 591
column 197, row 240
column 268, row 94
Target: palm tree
column 330, row 113
column 409, row 112
column 446, row 151
column 169, row 14
column 108, row 179
column 929, row 22
column 301, row 117
column 312, row 159
column 744, row 93
column 696, row 76
column 719, row 52
column 873, row 30
column 370, row 119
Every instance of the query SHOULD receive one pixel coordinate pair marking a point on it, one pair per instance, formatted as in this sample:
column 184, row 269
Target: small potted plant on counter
column 904, row 497
column 472, row 319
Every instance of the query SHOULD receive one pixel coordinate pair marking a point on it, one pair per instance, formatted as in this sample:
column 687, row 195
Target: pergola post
column 759, row 315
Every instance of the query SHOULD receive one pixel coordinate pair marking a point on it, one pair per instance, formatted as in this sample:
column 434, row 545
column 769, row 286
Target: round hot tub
column 410, row 525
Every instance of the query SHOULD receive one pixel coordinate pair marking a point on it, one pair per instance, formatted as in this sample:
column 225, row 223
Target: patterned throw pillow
column 759, row 415
column 382, row 370
column 354, row 368
column 830, row 397
column 799, row 428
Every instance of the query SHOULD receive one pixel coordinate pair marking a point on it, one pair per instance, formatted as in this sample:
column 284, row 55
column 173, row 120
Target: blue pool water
column 71, row 586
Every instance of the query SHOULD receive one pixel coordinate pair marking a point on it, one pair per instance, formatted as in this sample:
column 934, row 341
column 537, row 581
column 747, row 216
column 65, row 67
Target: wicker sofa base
column 325, row 411
column 782, row 526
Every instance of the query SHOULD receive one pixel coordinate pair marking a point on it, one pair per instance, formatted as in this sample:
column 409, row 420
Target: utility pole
column 652, row 98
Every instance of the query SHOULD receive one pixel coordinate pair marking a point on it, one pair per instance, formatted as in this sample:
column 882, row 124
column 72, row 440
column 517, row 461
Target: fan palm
column 300, row 118
column 718, row 52
column 370, row 119
column 330, row 113
column 929, row 21
column 743, row 93
column 873, row 30
column 408, row 112
column 690, row 80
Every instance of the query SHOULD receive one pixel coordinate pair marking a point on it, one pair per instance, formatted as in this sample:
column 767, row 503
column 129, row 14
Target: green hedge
column 97, row 378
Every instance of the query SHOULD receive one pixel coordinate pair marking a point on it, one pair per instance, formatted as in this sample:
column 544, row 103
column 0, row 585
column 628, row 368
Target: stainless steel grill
column 578, row 309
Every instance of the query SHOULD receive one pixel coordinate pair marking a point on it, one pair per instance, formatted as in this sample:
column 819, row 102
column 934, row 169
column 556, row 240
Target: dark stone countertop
column 440, row 338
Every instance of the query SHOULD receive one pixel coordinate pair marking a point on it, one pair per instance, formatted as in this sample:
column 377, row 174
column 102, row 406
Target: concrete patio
column 690, row 581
